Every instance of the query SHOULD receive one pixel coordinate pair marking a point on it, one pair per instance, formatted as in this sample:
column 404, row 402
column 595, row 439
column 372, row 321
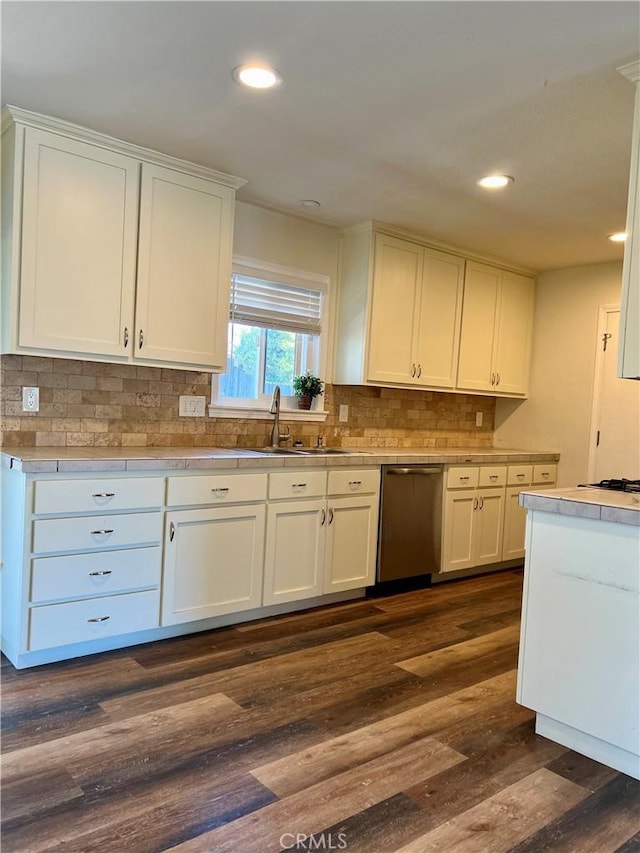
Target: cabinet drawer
column 462, row 478
column 93, row 533
column 298, row 484
column 97, row 495
column 544, row 473
column 492, row 475
column 354, row 482
column 94, row 574
column 519, row 475
column 216, row 489
column 93, row 619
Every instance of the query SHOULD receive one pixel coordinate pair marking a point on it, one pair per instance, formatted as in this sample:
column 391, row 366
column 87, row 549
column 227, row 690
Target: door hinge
column 605, row 338
column 598, row 439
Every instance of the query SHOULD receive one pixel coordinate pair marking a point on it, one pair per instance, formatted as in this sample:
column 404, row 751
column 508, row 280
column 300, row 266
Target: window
column 275, row 333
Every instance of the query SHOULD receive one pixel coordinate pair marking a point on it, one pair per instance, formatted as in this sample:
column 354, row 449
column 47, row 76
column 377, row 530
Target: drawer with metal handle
column 306, row 483
column 94, row 533
column 92, row 619
column 354, row 481
column 97, row 495
column 82, row 575
column 519, row 475
column 462, row 478
column 198, row 490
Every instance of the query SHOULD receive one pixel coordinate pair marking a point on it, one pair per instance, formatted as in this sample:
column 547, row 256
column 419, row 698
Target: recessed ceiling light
column 495, row 182
column 309, row 202
column 257, row 76
column 618, row 237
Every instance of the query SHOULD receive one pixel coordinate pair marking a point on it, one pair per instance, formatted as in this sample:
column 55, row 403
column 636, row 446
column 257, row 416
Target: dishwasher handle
column 415, row 469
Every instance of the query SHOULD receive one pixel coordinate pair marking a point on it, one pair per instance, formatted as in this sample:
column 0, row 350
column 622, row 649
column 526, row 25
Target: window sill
column 286, row 414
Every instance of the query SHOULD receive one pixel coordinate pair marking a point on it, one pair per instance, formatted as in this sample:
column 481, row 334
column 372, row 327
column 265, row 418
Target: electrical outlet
column 343, row 415
column 192, row 407
column 478, row 419
column 30, row 399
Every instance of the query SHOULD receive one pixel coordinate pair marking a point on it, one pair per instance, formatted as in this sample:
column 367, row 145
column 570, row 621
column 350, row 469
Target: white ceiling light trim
column 257, row 76
column 495, row 182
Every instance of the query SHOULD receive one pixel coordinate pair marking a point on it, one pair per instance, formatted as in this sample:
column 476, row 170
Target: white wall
column 557, row 414
column 290, row 241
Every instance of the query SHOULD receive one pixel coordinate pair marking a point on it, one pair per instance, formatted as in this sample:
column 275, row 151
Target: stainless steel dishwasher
column 410, row 522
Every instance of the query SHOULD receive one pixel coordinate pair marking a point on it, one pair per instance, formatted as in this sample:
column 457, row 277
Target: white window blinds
column 274, row 305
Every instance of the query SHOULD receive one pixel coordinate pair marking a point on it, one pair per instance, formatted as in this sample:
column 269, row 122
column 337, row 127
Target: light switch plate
column 343, row 415
column 478, row 419
column 192, row 407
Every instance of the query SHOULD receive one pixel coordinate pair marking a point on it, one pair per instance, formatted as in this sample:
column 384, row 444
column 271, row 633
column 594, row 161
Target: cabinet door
column 352, row 528
column 515, row 519
column 488, row 526
column 459, row 519
column 439, row 319
column 79, row 232
column 397, row 278
column 213, row 562
column 184, row 269
column 515, row 325
column 294, row 558
column 481, row 289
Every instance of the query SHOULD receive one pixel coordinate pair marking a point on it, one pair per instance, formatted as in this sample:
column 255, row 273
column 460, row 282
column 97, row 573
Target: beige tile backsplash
column 86, row 403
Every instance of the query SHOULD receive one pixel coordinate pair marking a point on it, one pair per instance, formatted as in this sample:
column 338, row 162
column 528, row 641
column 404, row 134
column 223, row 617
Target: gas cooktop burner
column 622, row 485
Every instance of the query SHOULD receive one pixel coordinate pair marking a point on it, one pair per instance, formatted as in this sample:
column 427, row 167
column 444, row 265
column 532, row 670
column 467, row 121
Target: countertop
column 601, row 504
column 44, row 460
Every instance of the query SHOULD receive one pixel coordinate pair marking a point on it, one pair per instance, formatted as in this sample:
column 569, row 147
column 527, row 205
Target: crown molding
column 16, row 115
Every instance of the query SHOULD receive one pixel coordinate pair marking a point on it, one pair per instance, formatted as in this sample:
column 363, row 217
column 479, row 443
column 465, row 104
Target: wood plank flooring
column 386, row 725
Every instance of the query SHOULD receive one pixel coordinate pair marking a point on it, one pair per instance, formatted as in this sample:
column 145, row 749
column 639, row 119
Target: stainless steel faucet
column 276, row 435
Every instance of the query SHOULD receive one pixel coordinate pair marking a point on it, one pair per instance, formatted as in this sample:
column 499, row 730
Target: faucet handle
column 320, row 441
column 285, row 436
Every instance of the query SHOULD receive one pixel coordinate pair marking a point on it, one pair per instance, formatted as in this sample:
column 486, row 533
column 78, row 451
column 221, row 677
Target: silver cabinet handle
column 520, row 476
column 99, row 619
column 140, row 339
column 413, row 371
column 493, row 379
column 463, row 478
column 330, row 516
column 172, row 531
column 497, row 378
column 102, row 532
column 475, row 503
column 355, row 483
column 481, row 503
column 103, row 495
column 298, row 485
column 220, row 490
column 126, row 337
column 493, row 477
column 100, row 573
column 323, row 517
column 419, row 371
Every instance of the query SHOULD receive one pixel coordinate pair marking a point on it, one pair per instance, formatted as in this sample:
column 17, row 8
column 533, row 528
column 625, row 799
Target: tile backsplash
column 86, row 403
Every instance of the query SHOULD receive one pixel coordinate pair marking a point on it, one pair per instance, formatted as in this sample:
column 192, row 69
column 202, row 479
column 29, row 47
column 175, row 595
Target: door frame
column 596, row 397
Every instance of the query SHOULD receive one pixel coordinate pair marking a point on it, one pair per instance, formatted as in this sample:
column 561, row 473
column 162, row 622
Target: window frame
column 248, row 409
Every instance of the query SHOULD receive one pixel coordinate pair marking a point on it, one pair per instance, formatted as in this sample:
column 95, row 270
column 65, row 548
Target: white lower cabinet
column 319, row 545
column 473, row 517
column 536, row 477
column 212, row 562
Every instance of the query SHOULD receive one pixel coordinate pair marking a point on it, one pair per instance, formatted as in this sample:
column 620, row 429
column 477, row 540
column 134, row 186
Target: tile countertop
column 601, row 504
column 43, row 460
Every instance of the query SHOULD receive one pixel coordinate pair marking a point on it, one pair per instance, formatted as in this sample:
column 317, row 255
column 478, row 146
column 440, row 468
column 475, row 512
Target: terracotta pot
column 304, row 402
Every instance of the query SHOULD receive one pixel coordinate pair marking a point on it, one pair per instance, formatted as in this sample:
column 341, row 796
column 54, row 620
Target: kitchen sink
column 275, row 450
column 302, row 451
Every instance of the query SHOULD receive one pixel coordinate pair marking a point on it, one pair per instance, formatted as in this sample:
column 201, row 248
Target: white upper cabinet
column 497, row 323
column 184, row 263
column 112, row 252
column 629, row 347
column 78, row 258
column 410, row 316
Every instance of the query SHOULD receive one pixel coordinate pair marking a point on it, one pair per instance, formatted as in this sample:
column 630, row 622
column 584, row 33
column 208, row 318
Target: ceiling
column 388, row 110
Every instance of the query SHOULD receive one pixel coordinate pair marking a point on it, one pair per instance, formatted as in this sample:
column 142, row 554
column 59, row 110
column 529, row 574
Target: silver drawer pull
column 323, row 517
column 463, row 478
column 493, row 476
column 330, row 516
column 355, row 482
column 520, row 476
column 299, row 486
column 100, row 573
column 220, row 490
column 103, row 495
column 101, row 532
column 99, row 619
column 545, row 473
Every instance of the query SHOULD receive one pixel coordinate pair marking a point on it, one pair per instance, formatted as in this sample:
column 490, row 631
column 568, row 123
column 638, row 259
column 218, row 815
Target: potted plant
column 306, row 387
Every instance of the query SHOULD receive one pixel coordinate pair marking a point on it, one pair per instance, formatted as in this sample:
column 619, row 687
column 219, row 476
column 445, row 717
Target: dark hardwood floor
column 383, row 725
